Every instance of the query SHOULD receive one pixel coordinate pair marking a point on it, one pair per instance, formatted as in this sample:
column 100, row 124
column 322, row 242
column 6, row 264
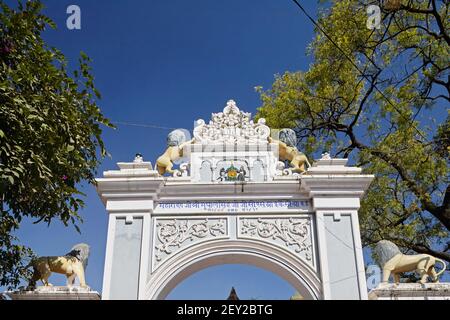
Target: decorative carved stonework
column 174, row 234
column 232, row 126
column 326, row 156
column 282, row 170
column 183, row 172
column 294, row 233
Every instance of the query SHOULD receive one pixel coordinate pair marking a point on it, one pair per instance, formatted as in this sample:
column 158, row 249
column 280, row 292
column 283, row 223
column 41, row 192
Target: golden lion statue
column 73, row 264
column 288, row 151
column 176, row 141
column 392, row 261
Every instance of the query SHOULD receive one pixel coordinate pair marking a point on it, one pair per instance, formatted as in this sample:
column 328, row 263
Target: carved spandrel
column 174, row 234
column 294, row 234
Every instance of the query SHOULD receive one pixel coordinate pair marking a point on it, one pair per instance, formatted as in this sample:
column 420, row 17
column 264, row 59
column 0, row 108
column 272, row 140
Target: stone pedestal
column 411, row 291
column 55, row 293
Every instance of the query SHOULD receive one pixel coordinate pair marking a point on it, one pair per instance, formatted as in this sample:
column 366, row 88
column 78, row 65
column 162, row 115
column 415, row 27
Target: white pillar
column 335, row 191
column 128, row 197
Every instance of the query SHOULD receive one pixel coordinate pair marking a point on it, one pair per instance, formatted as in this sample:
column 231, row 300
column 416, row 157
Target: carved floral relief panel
column 173, row 235
column 292, row 233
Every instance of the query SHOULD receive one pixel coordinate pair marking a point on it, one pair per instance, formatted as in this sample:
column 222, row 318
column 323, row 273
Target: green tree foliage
column 372, row 99
column 50, row 132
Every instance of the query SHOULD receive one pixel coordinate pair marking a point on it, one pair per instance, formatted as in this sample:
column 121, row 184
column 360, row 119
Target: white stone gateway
column 233, row 202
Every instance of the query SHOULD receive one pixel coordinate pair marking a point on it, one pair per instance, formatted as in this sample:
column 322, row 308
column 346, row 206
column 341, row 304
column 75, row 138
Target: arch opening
column 262, row 256
column 216, row 282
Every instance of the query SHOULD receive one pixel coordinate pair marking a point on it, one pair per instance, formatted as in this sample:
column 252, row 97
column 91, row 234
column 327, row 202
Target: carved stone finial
column 138, row 158
column 231, row 105
column 326, row 156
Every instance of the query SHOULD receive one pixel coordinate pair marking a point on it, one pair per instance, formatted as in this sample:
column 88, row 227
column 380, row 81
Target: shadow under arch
column 217, row 252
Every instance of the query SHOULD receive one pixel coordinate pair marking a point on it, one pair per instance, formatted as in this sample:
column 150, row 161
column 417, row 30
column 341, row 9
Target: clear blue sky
column 169, row 63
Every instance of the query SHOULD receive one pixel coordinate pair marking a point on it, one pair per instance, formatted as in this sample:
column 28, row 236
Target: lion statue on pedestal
column 72, row 264
column 392, row 261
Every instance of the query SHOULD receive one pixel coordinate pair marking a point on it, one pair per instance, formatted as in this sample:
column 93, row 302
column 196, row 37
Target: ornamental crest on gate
column 232, row 174
column 232, row 126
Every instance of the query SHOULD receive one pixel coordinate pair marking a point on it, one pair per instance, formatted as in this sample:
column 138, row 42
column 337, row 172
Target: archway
column 216, row 282
column 276, row 219
column 261, row 255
